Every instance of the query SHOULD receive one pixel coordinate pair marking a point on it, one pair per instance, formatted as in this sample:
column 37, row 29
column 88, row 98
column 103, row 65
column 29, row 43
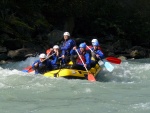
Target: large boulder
column 21, row 54
column 3, row 49
column 13, row 44
column 138, row 52
column 3, row 56
column 55, row 36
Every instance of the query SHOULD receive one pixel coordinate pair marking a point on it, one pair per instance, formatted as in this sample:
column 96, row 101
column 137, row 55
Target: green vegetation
column 25, row 19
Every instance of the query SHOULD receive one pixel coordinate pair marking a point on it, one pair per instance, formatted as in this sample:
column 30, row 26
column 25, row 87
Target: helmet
column 55, row 47
column 42, row 55
column 95, row 44
column 67, row 33
column 94, row 40
column 83, row 45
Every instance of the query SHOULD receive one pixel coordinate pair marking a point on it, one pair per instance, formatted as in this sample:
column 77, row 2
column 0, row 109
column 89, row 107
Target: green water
column 125, row 90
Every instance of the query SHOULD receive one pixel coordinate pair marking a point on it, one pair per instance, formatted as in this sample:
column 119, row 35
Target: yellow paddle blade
column 70, row 63
column 92, row 58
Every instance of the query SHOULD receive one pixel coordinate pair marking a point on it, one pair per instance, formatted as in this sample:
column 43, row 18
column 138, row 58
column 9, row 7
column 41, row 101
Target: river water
column 125, row 90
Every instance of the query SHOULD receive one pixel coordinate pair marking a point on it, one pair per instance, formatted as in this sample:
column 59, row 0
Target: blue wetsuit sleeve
column 100, row 53
column 68, row 45
column 36, row 71
column 37, row 61
column 88, row 59
column 54, row 60
column 72, row 52
column 63, row 52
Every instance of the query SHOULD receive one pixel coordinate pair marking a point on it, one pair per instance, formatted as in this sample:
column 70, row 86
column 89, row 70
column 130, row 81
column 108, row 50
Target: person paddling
column 77, row 63
column 56, row 58
column 93, row 41
column 42, row 65
column 96, row 53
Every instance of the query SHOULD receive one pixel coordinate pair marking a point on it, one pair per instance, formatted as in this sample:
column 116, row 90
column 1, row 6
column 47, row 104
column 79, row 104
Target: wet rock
column 3, row 56
column 13, row 44
column 55, row 36
column 3, row 49
column 122, row 57
column 3, row 62
column 138, row 52
column 21, row 54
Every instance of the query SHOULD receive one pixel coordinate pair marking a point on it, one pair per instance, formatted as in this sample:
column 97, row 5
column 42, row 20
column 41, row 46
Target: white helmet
column 55, row 47
column 94, row 40
column 67, row 33
column 42, row 55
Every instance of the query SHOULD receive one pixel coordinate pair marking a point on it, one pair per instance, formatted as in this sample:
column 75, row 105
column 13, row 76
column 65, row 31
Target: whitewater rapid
column 124, row 90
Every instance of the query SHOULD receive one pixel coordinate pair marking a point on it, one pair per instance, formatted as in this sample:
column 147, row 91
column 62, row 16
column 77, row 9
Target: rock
column 21, row 54
column 55, row 36
column 134, row 53
column 13, row 44
column 3, row 49
column 122, row 58
column 3, row 62
column 138, row 52
column 80, row 40
column 3, row 56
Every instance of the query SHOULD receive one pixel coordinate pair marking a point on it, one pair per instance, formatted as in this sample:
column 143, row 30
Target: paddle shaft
column 43, row 60
column 93, row 51
column 81, row 60
column 110, row 59
column 90, row 76
column 107, row 65
column 49, row 57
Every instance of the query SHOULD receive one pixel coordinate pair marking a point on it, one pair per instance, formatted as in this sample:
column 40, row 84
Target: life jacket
column 58, row 61
column 73, row 42
column 99, row 48
column 89, row 47
column 78, row 61
column 65, row 43
column 42, row 67
column 48, row 52
column 99, row 52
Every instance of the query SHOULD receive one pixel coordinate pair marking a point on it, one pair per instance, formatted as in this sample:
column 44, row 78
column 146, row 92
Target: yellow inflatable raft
column 73, row 73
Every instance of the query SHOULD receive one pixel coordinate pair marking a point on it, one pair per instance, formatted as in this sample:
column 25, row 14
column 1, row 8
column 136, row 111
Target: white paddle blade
column 108, row 66
column 100, row 63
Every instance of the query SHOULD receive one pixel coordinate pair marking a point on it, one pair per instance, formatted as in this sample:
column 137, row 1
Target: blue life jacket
column 56, row 61
column 86, row 55
column 42, row 66
column 67, row 46
column 99, row 52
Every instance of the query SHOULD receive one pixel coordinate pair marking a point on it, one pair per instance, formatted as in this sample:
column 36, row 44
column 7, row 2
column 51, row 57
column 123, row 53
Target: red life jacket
column 78, row 61
column 99, row 48
column 48, row 52
column 89, row 47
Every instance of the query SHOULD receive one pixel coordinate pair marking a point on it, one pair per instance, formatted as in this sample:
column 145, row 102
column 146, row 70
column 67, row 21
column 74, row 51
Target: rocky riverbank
column 17, row 50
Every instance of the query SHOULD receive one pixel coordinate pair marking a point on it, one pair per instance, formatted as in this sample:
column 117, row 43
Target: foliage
column 128, row 19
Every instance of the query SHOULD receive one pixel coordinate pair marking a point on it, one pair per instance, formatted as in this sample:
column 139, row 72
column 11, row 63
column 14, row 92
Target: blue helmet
column 95, row 44
column 82, row 45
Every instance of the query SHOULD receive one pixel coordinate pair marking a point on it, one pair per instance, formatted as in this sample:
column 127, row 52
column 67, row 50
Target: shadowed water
column 125, row 90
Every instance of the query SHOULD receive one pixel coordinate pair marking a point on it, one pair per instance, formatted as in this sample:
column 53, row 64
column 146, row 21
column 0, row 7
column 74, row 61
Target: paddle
column 29, row 68
column 113, row 60
column 90, row 76
column 55, row 74
column 107, row 65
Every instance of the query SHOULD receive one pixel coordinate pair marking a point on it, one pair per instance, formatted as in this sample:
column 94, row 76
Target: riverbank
column 17, row 50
